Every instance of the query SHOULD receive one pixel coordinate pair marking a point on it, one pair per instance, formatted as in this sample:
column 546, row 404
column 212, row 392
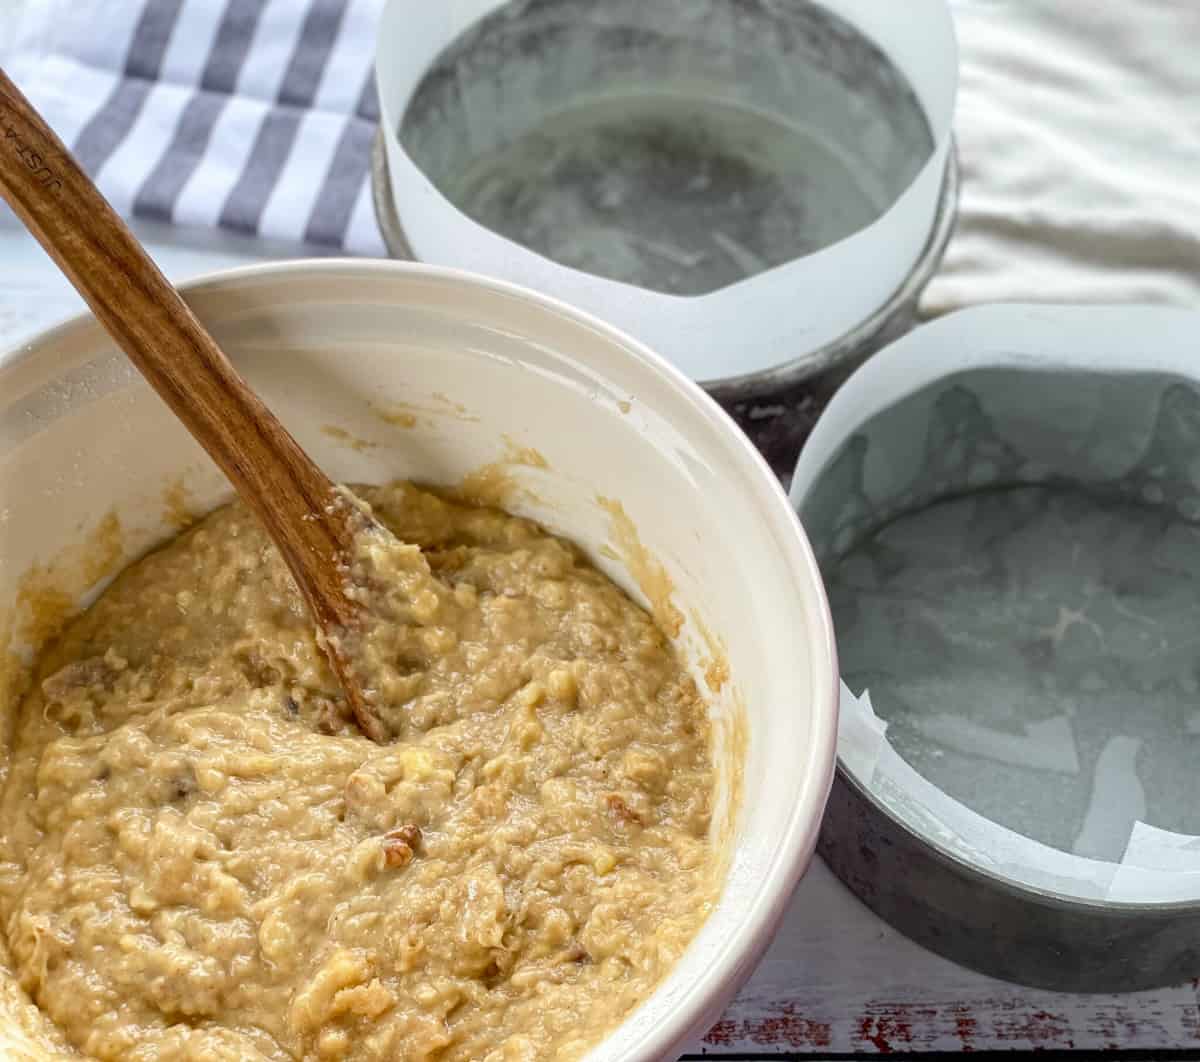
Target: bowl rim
column 734, row 958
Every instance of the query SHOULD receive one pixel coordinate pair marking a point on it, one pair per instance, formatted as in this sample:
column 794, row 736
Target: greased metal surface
column 204, row 860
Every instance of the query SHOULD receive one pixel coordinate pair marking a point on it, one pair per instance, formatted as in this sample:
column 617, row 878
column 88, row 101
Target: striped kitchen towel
column 250, row 115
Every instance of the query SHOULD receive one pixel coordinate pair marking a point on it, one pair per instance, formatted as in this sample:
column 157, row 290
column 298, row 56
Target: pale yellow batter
column 205, row 860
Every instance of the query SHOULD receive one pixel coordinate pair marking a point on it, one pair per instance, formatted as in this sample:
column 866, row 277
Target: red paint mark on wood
column 1039, row 1028
column 784, row 1028
column 884, row 1026
column 793, row 1031
column 889, row 1026
column 965, row 1027
column 870, row 1032
column 723, row 1034
column 1116, row 1023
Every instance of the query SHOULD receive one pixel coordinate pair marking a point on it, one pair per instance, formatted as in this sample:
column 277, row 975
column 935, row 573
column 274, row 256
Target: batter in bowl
column 205, row 860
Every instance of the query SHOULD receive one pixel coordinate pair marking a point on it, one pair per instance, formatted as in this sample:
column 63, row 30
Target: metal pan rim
column 846, row 350
column 1016, row 889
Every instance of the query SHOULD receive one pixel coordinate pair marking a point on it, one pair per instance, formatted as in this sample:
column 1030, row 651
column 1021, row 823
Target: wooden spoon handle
column 61, row 206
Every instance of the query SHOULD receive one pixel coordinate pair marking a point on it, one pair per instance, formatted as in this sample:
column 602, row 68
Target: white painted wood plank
column 838, row 979
column 34, row 294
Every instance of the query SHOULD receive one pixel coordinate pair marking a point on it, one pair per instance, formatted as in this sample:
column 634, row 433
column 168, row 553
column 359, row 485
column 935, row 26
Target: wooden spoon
column 307, row 518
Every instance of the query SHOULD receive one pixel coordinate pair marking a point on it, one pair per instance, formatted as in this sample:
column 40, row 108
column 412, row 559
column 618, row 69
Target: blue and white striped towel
column 250, row 115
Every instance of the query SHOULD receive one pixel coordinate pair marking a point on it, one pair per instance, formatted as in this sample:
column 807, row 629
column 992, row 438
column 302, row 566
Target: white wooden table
column 837, row 981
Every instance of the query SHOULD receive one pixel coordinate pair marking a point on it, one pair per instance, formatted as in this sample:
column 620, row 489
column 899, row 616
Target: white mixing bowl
column 384, row 370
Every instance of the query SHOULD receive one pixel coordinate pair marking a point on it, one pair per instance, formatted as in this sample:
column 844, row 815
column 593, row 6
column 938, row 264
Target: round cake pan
column 706, row 179
column 830, row 363
column 1006, row 507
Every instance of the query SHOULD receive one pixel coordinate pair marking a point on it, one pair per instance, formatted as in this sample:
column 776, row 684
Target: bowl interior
column 385, row 371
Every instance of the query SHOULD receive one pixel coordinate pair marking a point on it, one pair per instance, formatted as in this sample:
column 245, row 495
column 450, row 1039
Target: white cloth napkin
column 252, row 115
column 1078, row 130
